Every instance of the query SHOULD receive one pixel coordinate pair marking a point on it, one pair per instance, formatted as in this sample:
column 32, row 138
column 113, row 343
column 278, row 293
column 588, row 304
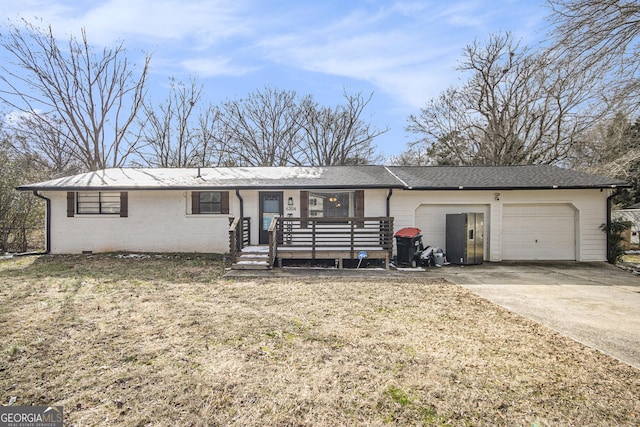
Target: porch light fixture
column 290, row 201
column 333, row 199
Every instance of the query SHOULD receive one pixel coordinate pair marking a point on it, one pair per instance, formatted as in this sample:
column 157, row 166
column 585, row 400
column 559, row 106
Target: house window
column 98, row 202
column 210, row 202
column 332, row 204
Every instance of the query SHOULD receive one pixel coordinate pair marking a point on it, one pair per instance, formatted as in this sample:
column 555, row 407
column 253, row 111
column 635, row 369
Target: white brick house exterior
column 531, row 212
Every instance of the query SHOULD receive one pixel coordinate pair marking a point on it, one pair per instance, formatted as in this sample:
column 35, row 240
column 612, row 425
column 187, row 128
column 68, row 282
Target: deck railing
column 319, row 237
column 273, row 241
column 239, row 234
column 246, row 231
column 352, row 234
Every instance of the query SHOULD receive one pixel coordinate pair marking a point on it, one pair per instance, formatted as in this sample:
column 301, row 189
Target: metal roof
column 331, row 177
column 225, row 178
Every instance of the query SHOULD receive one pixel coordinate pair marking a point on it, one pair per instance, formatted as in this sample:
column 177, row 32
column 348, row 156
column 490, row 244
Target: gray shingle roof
column 411, row 177
column 500, row 177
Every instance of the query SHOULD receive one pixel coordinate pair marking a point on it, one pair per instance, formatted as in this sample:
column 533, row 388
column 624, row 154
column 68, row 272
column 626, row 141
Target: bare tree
column 601, row 36
column 607, row 141
column 46, row 144
column 213, row 147
column 518, row 107
column 612, row 148
column 414, row 156
column 262, row 129
column 89, row 99
column 274, row 127
column 336, row 136
column 168, row 128
column 271, row 127
column 441, row 126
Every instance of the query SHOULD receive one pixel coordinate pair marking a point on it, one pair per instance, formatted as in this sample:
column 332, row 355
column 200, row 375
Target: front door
column 270, row 207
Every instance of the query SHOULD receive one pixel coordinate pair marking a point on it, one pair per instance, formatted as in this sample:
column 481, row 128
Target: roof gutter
column 540, row 187
column 47, row 221
column 209, row 187
column 321, row 187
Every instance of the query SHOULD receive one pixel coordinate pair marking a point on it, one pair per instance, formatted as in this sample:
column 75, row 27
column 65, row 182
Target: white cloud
column 409, row 49
column 203, row 22
column 405, row 49
column 213, row 67
column 17, row 118
column 465, row 14
column 404, row 61
column 206, row 21
column 169, row 29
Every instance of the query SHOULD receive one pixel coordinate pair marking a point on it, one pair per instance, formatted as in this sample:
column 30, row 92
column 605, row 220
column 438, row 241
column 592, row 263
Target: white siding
column 589, row 205
column 157, row 222
column 375, row 202
column 251, row 204
column 374, row 205
column 431, row 219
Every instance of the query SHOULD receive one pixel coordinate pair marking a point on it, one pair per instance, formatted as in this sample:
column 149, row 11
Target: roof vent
column 199, row 176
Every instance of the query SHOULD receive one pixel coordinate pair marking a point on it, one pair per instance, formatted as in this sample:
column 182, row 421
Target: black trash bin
column 409, row 246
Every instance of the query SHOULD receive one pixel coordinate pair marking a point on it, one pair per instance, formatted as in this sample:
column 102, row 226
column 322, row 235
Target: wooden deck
column 332, row 253
column 317, row 238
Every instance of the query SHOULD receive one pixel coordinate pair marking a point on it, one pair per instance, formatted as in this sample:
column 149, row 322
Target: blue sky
column 405, row 52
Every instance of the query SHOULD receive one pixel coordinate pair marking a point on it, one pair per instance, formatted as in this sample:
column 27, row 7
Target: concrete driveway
column 594, row 303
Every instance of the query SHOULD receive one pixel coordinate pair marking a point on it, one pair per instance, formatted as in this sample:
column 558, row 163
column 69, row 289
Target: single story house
column 531, row 212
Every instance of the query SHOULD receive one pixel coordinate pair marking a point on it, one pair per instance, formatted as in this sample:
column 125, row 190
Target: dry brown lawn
column 631, row 258
column 166, row 341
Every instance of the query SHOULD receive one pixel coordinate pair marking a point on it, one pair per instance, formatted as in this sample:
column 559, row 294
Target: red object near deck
column 408, row 232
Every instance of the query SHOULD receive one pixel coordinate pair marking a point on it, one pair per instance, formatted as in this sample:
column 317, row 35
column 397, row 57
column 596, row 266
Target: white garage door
column 432, row 220
column 538, row 232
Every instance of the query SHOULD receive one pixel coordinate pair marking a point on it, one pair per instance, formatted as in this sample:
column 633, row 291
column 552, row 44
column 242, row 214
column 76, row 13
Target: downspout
column 241, row 218
column 391, row 222
column 47, row 221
